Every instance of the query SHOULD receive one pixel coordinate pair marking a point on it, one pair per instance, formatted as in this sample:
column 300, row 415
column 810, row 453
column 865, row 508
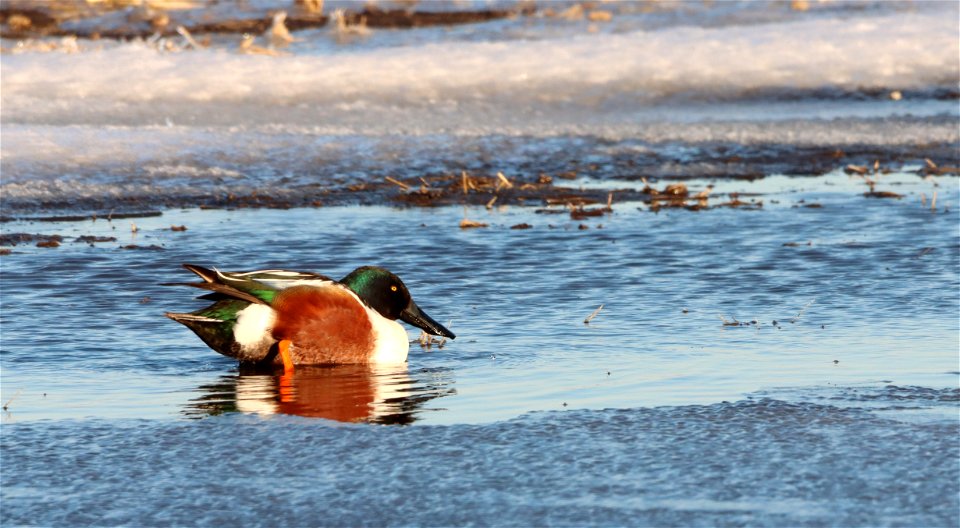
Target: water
column 834, row 401
column 517, row 300
column 866, row 440
column 751, row 463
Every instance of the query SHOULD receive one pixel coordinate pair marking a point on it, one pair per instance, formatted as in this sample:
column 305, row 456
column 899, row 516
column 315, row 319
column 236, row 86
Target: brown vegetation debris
column 25, row 19
column 13, row 239
column 503, row 181
column 579, row 213
column 932, row 169
column 90, row 239
column 421, row 197
column 574, row 12
column 675, row 189
column 600, row 16
column 18, row 22
column 882, row 194
column 736, row 203
column 469, row 224
column 399, row 183
column 734, row 322
column 427, row 341
column 592, row 315
column 569, row 200
column 151, row 247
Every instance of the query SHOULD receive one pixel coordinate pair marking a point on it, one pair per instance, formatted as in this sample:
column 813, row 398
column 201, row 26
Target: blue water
column 873, row 281
column 844, row 416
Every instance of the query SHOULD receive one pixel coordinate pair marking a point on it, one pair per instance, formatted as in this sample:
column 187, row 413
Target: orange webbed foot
column 284, row 347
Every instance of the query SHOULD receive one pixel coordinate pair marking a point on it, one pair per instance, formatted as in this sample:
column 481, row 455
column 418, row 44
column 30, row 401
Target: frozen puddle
column 763, row 462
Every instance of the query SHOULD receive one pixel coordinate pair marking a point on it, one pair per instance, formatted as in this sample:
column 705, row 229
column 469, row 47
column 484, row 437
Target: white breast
column 392, row 343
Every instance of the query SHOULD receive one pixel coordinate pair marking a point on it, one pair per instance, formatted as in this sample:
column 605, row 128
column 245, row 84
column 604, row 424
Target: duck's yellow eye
column 393, row 288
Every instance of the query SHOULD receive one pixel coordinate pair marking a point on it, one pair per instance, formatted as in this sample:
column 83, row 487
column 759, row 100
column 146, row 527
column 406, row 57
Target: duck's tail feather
column 216, row 333
column 193, row 318
column 245, row 290
column 208, row 275
column 221, row 289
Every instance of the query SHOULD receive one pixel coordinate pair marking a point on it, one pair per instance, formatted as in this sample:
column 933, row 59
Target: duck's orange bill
column 284, row 347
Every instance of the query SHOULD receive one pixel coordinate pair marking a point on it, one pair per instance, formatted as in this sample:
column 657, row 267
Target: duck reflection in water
column 345, row 393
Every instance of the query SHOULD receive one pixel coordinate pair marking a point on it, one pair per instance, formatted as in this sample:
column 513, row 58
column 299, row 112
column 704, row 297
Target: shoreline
column 587, row 185
column 488, row 202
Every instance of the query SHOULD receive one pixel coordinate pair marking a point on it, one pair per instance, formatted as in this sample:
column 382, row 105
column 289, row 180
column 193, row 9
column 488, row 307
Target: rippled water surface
column 854, row 291
column 833, row 401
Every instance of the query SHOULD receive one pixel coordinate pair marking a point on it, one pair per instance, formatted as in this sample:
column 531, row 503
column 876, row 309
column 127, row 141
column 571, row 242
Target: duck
column 289, row 318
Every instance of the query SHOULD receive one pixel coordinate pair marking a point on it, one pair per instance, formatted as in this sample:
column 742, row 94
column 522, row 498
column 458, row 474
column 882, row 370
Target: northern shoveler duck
column 300, row 318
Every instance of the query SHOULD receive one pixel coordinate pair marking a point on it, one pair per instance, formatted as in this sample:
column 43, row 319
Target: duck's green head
column 384, row 292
